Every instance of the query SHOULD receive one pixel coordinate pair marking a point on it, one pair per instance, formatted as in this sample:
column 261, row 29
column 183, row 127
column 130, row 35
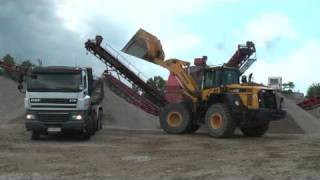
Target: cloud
column 301, row 67
column 268, row 29
column 161, row 18
column 31, row 30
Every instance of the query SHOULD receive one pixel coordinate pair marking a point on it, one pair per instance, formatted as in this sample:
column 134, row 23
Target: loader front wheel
column 175, row 118
column 219, row 122
column 256, row 131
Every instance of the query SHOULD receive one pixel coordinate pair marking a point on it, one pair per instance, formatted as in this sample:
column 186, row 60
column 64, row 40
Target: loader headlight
column 77, row 117
column 30, row 116
column 237, row 103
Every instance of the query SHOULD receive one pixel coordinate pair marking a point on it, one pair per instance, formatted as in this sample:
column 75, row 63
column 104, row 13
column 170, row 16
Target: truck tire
column 219, row 122
column 89, row 129
column 35, row 135
column 193, row 128
column 256, row 131
column 100, row 119
column 175, row 118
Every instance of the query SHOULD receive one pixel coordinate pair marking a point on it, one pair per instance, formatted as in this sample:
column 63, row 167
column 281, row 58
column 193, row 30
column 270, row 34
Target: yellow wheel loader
column 215, row 96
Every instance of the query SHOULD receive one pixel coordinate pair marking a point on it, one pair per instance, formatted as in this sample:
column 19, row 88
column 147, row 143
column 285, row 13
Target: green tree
column 314, row 90
column 27, row 63
column 8, row 59
column 157, row 82
column 288, row 87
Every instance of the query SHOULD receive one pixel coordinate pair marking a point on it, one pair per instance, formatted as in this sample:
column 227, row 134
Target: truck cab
column 62, row 100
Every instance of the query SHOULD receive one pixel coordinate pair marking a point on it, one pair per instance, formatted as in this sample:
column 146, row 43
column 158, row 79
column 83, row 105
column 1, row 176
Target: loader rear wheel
column 256, row 131
column 175, row 118
column 219, row 122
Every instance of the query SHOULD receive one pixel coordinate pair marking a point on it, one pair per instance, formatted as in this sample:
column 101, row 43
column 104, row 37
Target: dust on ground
column 114, row 154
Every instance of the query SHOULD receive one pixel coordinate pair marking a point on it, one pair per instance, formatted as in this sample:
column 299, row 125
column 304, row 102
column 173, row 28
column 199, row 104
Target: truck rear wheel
column 175, row 118
column 100, row 119
column 256, row 131
column 219, row 122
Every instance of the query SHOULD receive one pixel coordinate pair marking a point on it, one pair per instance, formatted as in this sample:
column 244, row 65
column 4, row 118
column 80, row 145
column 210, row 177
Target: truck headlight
column 77, row 117
column 30, row 116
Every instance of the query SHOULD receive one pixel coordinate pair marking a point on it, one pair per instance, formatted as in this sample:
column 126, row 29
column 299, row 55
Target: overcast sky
column 286, row 33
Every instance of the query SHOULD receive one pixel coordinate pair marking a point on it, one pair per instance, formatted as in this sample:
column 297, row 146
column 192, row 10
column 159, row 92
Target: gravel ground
column 114, row 154
column 152, row 154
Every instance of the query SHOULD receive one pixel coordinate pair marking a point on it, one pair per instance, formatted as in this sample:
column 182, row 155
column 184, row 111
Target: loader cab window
column 210, row 79
column 216, row 77
column 230, row 77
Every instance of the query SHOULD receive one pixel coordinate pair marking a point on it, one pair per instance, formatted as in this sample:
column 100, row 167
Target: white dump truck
column 275, row 82
column 62, row 100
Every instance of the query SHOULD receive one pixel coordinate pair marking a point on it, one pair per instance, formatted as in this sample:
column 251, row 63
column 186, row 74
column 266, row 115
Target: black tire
column 175, row 118
column 89, row 129
column 193, row 128
column 219, row 121
column 35, row 135
column 256, row 131
column 100, row 119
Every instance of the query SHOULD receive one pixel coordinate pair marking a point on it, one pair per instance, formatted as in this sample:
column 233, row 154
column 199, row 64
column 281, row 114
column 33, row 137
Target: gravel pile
column 11, row 101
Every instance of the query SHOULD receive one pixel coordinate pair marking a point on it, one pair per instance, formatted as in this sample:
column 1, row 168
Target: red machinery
column 17, row 70
column 310, row 103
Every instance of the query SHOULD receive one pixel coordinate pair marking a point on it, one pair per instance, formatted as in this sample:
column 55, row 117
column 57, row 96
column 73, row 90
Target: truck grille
column 267, row 99
column 54, row 100
column 53, row 117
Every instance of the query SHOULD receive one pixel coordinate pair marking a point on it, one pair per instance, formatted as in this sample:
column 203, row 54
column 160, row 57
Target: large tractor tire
column 193, row 128
column 256, row 131
column 175, row 118
column 219, row 122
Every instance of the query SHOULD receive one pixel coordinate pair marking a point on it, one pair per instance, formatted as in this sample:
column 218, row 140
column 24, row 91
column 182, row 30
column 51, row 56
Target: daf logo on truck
column 62, row 100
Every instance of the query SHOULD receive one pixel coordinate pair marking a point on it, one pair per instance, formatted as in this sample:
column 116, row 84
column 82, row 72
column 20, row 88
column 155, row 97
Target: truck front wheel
column 35, row 135
column 175, row 118
column 219, row 122
column 89, row 129
column 256, row 131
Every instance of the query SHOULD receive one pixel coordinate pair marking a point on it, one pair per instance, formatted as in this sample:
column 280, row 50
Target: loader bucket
column 145, row 46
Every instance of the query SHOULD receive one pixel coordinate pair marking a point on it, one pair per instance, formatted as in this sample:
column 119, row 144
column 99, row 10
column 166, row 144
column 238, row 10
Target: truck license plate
column 54, row 129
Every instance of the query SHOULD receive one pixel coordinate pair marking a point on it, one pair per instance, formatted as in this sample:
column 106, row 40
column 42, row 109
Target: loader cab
column 220, row 76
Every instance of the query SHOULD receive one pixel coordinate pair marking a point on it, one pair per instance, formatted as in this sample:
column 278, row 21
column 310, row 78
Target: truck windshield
column 54, row 82
column 230, row 77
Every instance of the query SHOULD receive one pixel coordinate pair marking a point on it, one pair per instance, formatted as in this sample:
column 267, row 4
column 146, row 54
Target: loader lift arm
column 146, row 46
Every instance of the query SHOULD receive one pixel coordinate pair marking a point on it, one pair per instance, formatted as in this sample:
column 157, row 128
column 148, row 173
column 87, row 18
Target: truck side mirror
column 20, row 87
